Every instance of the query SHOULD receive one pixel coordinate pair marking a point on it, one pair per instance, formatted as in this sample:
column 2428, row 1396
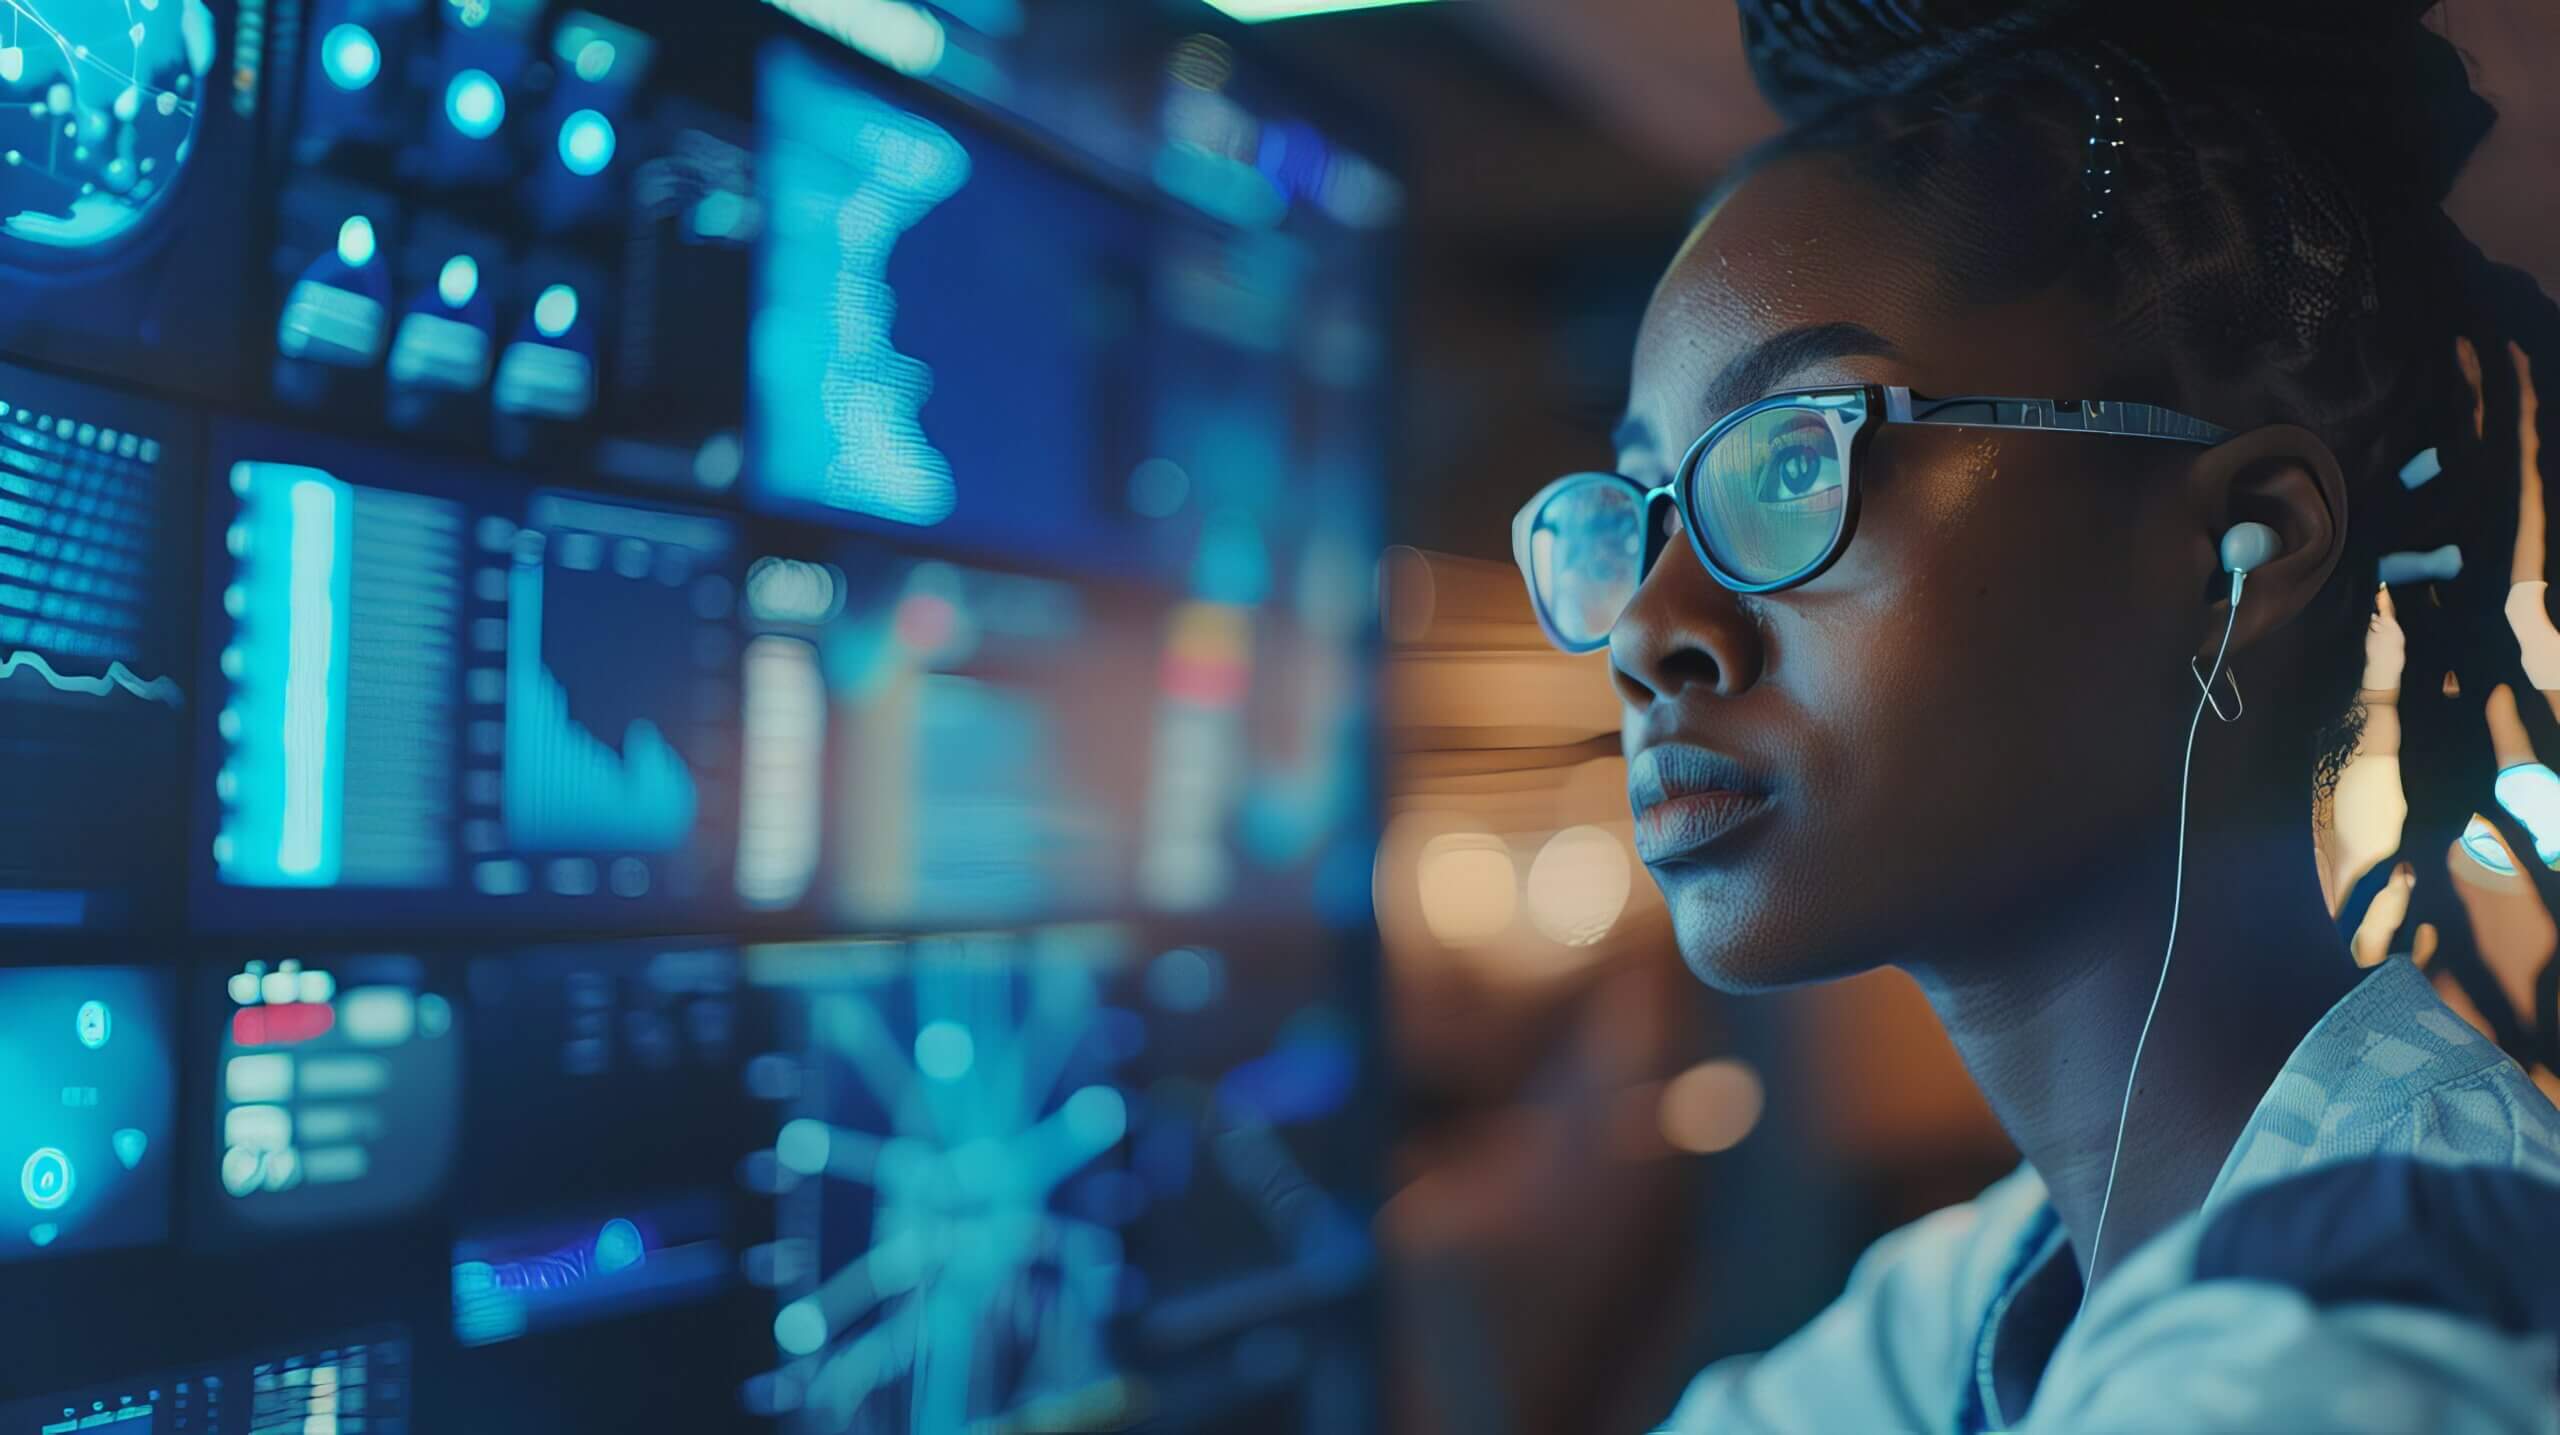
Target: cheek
column 1992, row 643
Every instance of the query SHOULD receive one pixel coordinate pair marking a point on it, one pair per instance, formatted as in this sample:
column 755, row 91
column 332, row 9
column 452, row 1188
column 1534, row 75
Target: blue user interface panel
column 355, row 1386
column 897, row 245
column 87, row 1093
column 95, row 612
column 930, row 743
column 446, row 700
column 523, row 228
column 1107, row 1173
column 336, row 1095
column 126, row 139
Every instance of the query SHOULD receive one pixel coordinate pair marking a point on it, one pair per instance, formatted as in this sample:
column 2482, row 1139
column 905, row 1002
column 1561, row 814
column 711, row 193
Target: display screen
column 524, row 1279
column 449, row 701
column 587, row 590
column 87, row 1087
column 126, row 150
column 898, row 245
column 95, row 602
column 519, row 228
column 1093, row 1173
column 357, row 1386
column 336, row 1096
column 930, row 743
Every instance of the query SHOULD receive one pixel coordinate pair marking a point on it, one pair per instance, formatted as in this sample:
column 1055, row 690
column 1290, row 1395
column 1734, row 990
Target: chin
column 1740, row 939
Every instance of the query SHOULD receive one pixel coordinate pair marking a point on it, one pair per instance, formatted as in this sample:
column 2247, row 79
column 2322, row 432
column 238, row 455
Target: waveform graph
column 856, row 174
column 937, row 1263
column 92, row 605
column 98, row 107
column 616, row 683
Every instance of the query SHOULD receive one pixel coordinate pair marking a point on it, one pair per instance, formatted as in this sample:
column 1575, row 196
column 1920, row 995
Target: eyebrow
column 1759, row 368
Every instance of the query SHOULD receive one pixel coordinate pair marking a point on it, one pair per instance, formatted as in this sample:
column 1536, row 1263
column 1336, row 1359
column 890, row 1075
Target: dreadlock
column 2256, row 195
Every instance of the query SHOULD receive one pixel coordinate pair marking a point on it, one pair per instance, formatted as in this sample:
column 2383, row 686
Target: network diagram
column 98, row 107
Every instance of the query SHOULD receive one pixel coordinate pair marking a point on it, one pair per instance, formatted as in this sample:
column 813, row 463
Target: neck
column 2046, row 1004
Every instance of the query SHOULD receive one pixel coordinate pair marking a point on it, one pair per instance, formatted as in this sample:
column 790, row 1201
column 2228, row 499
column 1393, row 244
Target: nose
column 1683, row 630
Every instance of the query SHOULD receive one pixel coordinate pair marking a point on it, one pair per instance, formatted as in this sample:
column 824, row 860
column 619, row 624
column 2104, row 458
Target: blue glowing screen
column 1086, row 1189
column 931, row 744
column 87, row 1077
column 634, row 1256
column 898, row 245
column 124, row 139
column 94, row 610
column 357, row 1384
column 448, row 700
column 336, row 1092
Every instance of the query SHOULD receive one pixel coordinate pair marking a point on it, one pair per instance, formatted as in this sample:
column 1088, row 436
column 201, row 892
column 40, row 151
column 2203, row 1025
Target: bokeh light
column 475, row 105
column 1578, row 886
column 350, row 57
column 1470, row 890
column 586, row 143
column 1711, row 1106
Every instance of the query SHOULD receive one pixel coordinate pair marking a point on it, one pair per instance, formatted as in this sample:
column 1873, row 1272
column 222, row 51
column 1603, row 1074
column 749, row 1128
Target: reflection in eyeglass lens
column 1772, row 490
column 1586, row 554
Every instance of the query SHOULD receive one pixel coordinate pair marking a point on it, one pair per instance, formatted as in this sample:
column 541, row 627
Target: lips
column 1686, row 799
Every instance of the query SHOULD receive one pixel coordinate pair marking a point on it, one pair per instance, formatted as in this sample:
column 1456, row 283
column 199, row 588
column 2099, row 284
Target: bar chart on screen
column 438, row 687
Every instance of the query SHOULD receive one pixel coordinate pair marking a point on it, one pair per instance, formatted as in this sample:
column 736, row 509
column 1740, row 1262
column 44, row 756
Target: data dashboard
column 685, row 700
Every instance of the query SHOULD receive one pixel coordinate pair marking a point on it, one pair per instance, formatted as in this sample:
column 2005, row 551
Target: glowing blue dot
column 2532, row 792
column 475, row 104
column 944, row 1050
column 595, row 60
column 619, row 1246
column 1186, row 979
column 555, row 310
column 355, row 242
column 801, row 1329
column 350, row 57
column 459, row 280
column 94, row 1023
column 803, row 1146
column 1096, row 1117
column 586, row 142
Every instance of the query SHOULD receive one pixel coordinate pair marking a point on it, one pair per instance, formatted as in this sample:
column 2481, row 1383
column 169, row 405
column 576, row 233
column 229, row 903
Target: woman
column 2045, row 718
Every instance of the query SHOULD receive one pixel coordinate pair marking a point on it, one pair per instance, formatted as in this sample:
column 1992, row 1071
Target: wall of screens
column 686, row 709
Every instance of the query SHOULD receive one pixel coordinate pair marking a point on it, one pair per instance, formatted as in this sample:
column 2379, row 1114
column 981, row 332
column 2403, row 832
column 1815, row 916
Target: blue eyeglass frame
column 1884, row 404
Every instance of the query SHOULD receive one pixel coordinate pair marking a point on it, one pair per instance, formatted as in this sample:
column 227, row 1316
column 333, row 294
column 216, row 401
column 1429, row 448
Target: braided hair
column 2256, row 193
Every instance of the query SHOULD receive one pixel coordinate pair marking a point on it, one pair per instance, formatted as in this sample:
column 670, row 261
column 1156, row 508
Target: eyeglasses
column 1769, row 495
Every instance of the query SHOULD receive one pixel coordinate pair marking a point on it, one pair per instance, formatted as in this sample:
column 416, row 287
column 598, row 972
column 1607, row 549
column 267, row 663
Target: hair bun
column 2366, row 80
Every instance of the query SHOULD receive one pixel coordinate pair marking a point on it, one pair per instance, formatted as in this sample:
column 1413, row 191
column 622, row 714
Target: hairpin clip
column 2106, row 140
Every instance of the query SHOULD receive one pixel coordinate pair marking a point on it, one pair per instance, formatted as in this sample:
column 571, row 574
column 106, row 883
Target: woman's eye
column 1797, row 471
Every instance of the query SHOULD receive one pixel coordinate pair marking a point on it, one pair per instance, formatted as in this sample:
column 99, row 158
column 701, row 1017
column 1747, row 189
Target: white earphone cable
column 2177, row 898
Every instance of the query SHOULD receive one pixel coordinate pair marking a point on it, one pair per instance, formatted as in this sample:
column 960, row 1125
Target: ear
column 2283, row 476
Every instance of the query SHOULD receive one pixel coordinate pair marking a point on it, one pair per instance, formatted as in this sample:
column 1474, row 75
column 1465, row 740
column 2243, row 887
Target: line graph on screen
column 117, row 678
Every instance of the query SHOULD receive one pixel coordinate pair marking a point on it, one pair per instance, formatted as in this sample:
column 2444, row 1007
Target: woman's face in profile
column 1985, row 694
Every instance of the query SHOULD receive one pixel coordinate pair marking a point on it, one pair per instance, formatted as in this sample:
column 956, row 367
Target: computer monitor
column 97, row 511
column 446, row 698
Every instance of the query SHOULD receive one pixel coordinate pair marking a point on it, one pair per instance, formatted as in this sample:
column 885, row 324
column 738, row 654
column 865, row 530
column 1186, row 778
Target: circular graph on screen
column 98, row 108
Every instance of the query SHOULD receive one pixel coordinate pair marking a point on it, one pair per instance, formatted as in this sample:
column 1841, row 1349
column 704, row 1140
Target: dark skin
column 1971, row 726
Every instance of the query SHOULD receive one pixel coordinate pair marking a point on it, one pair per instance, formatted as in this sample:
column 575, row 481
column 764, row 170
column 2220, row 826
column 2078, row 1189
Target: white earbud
column 2245, row 547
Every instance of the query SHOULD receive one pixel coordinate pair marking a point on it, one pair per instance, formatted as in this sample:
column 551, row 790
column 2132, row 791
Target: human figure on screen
column 2014, row 454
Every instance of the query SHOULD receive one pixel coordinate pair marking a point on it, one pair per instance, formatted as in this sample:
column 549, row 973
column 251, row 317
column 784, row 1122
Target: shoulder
column 2394, row 1072
column 1892, row 1351
column 2389, row 1292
